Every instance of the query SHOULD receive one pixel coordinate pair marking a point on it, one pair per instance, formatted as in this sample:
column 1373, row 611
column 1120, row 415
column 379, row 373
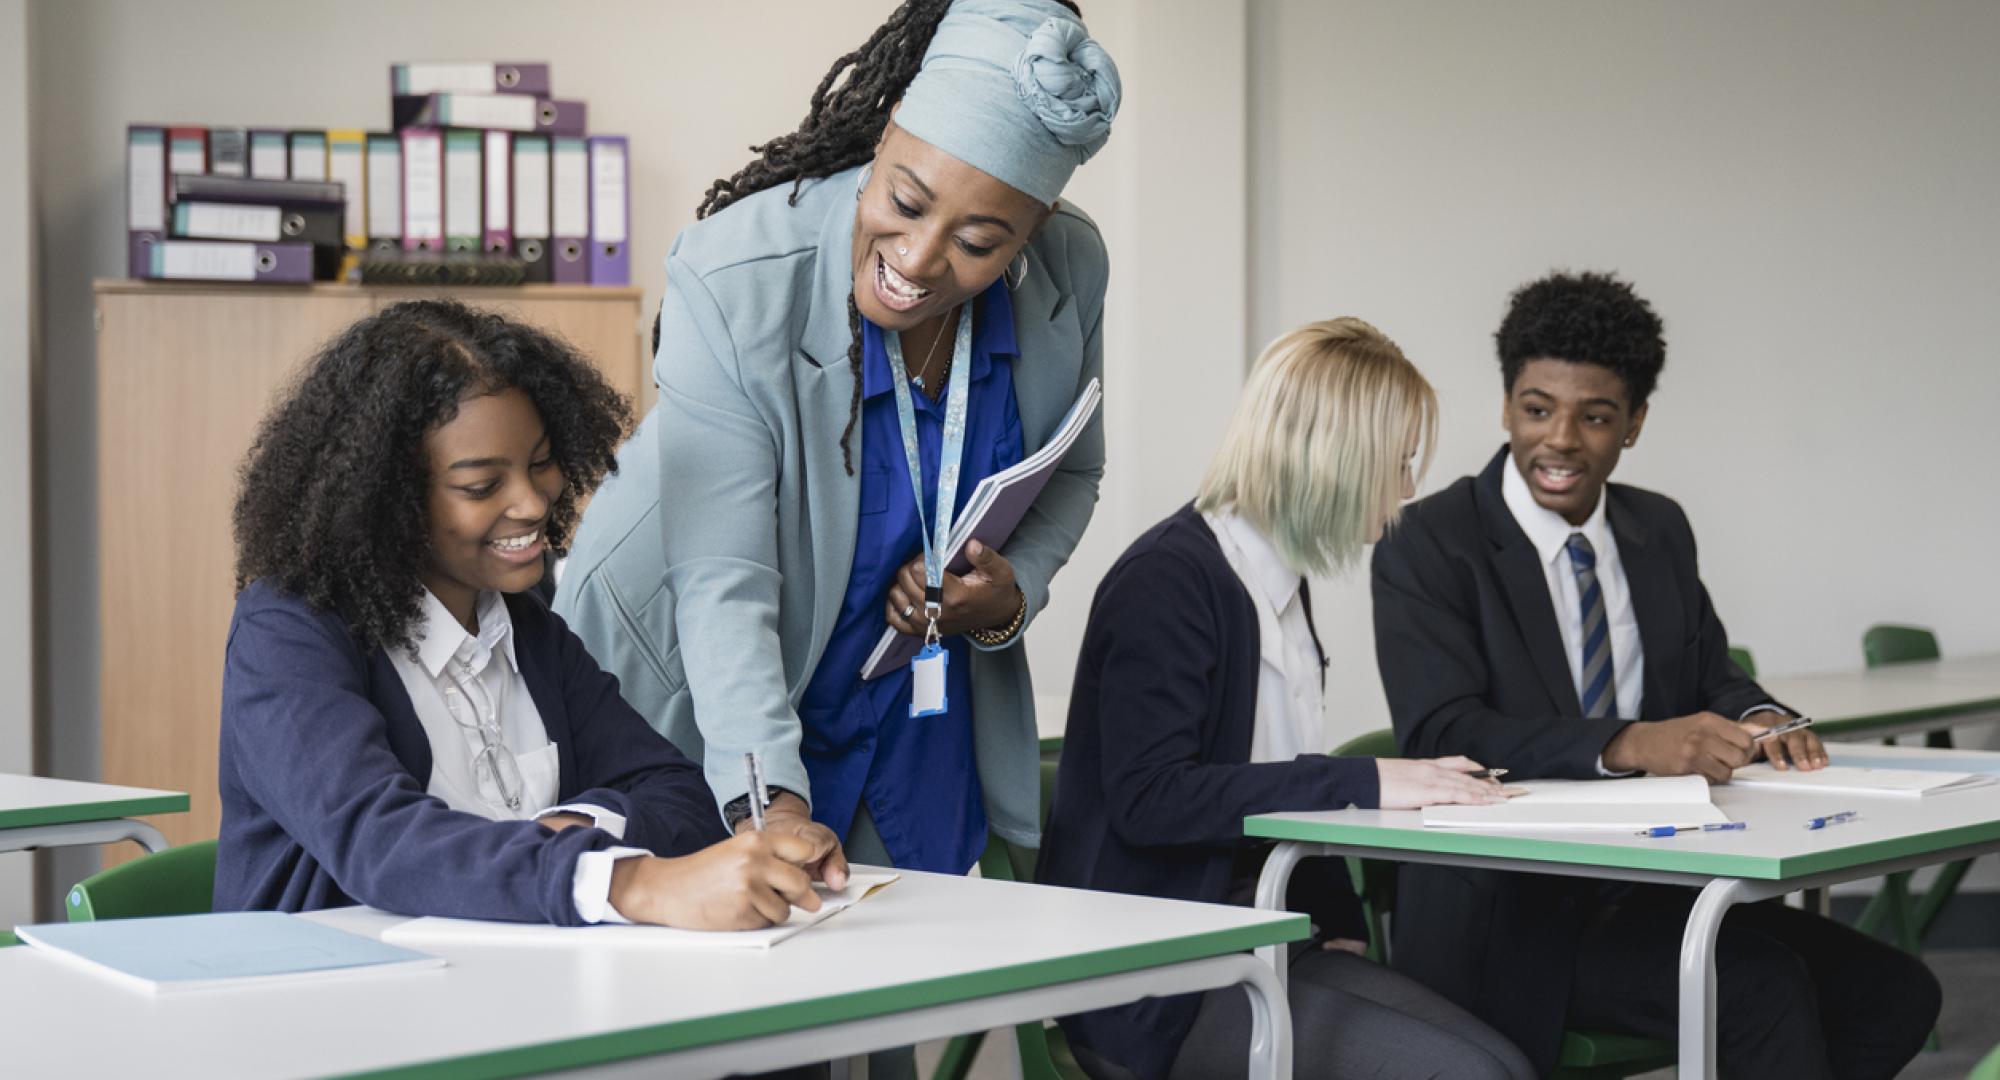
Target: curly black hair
column 1585, row 318
column 840, row 131
column 334, row 489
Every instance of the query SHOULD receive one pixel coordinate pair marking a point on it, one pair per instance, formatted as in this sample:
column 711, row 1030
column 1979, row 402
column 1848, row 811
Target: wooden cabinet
column 184, row 374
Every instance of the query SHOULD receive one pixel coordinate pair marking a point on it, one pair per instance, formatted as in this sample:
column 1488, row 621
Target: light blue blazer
column 708, row 572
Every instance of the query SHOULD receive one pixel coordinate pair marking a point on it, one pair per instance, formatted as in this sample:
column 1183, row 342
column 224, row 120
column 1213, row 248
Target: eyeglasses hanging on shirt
column 494, row 771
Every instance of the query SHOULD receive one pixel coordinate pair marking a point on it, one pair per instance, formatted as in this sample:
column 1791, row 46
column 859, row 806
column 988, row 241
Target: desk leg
column 81, row 833
column 1697, row 1038
column 1272, row 885
column 1270, row 1021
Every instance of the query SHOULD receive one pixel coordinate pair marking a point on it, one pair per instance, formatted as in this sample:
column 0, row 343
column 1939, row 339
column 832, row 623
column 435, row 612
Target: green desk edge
column 665, row 1038
column 111, row 810
column 1664, row 857
column 1848, row 726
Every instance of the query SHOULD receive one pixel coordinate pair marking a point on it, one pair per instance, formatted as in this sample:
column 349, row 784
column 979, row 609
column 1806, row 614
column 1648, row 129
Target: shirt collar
column 1546, row 529
column 439, row 637
column 1262, row 563
column 992, row 335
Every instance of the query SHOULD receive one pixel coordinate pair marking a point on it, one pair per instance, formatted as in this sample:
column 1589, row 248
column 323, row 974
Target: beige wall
column 17, row 295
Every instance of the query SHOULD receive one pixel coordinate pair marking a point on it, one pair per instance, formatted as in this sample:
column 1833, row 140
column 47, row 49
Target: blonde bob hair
column 1330, row 420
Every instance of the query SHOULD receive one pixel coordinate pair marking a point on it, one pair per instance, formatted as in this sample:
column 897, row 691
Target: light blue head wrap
column 1016, row 89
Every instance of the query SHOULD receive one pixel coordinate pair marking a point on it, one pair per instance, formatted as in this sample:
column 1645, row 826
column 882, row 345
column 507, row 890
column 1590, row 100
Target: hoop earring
column 1017, row 271
column 861, row 184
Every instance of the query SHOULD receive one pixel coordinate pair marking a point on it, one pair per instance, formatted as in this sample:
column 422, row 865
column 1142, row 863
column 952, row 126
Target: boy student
column 1538, row 618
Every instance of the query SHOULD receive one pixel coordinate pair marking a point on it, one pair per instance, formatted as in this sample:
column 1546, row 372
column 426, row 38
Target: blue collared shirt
column 917, row 776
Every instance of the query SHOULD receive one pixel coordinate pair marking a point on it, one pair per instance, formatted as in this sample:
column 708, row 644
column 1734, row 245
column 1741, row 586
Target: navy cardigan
column 324, row 765
column 1155, row 779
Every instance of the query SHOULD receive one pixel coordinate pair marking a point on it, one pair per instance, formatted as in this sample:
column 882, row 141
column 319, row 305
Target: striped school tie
column 1598, row 688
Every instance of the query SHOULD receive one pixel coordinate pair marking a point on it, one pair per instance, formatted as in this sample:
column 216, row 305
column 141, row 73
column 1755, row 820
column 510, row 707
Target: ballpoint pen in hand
column 1487, row 774
column 1832, row 819
column 1789, row 726
column 760, row 796
column 1714, row 826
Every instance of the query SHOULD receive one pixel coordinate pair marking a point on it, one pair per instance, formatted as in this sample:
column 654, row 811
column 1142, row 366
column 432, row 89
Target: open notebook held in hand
column 433, row 930
column 997, row 505
column 1625, row 803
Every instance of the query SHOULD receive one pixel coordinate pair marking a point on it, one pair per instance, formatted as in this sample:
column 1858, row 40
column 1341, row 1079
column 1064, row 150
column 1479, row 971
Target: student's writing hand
column 1801, row 748
column 1414, row 784
column 744, row 883
column 788, row 814
column 1705, row 743
column 985, row 597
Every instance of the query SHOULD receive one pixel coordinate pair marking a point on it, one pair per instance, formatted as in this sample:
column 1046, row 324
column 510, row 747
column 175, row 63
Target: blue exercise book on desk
column 227, row 949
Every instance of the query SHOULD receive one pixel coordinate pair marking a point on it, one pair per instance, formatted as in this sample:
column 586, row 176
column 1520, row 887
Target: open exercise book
column 434, row 931
column 1636, row 802
column 997, row 505
column 227, row 949
column 1861, row 780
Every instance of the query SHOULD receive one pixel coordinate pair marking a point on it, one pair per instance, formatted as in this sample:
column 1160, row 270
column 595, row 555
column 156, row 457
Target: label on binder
column 229, row 221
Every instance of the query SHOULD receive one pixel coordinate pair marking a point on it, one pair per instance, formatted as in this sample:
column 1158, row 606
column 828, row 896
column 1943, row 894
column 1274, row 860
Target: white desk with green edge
column 928, row 957
column 1775, row 855
column 40, row 812
column 1896, row 699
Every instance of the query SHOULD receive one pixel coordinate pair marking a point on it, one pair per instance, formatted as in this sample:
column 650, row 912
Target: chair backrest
column 1888, row 643
column 1374, row 880
column 177, row 881
column 1380, row 743
column 1740, row 656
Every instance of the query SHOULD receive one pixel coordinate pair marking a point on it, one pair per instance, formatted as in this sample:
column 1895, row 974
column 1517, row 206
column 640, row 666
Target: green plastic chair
column 1740, row 654
column 1045, row 1053
column 1585, row 1055
column 1988, row 1068
column 177, row 881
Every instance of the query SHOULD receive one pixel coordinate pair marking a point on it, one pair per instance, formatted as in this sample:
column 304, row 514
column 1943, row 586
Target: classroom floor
column 1970, row 1025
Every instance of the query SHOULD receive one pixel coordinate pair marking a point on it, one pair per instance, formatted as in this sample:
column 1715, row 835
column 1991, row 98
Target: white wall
column 17, row 293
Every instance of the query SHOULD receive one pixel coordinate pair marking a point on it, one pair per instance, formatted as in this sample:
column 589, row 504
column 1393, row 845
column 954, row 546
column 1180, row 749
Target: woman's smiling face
column 931, row 232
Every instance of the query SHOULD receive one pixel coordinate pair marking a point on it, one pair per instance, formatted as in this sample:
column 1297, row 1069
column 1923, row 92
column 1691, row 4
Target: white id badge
column 927, row 681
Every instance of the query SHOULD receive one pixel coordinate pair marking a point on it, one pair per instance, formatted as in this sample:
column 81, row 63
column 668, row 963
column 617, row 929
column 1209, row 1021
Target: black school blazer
column 1472, row 661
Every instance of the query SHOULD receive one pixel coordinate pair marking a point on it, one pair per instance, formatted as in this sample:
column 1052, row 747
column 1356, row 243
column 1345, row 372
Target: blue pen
column 1673, row 830
column 1832, row 819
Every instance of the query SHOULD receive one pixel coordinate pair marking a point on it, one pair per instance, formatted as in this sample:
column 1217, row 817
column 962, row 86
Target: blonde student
column 404, row 723
column 1199, row 700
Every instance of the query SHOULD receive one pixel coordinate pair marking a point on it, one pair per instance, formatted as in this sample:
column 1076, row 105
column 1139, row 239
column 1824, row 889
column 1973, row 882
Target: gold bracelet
column 990, row 637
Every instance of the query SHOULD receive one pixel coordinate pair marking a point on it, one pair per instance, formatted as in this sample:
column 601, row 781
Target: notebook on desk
column 1862, row 780
column 227, row 949
column 1637, row 802
column 433, row 931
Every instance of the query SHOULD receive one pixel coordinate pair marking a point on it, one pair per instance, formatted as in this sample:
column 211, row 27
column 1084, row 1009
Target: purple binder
column 506, row 77
column 231, row 260
column 610, row 211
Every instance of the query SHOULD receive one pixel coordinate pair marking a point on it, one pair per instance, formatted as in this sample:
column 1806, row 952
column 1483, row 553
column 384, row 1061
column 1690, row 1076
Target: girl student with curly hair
column 406, row 725
column 893, row 293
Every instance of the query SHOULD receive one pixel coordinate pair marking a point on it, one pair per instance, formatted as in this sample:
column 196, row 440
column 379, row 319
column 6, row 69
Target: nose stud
column 902, row 251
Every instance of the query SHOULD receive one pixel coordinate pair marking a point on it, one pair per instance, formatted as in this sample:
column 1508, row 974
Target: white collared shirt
column 1550, row 533
column 453, row 678
column 1290, row 719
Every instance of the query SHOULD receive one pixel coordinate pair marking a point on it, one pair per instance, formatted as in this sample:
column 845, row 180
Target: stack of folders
column 483, row 178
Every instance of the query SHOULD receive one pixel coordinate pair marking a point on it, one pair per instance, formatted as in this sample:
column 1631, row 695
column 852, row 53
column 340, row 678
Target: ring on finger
column 909, row 611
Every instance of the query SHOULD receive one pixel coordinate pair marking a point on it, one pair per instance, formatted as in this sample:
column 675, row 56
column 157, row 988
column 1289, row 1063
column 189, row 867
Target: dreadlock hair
column 841, row 129
column 334, row 492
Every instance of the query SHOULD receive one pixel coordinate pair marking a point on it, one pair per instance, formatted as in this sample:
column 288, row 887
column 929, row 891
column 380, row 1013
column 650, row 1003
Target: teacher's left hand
column 983, row 598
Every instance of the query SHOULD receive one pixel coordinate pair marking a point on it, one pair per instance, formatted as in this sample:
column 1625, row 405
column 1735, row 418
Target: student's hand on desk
column 1705, row 742
column 789, row 815
column 1801, row 748
column 747, row 882
column 1414, row 784
column 985, row 598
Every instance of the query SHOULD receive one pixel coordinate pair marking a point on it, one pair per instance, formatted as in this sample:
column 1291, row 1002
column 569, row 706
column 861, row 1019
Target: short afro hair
column 1584, row 318
column 334, row 489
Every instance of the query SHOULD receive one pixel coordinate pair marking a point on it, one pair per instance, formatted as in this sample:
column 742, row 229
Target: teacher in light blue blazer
column 887, row 306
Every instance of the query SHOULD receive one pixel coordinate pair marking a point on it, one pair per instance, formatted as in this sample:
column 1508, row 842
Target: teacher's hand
column 984, row 598
column 788, row 815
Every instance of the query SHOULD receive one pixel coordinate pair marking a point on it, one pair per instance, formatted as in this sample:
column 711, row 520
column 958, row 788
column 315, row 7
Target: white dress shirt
column 1290, row 720
column 1550, row 534
column 454, row 679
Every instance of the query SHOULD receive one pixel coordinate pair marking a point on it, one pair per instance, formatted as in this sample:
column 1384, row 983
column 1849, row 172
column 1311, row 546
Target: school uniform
column 350, row 775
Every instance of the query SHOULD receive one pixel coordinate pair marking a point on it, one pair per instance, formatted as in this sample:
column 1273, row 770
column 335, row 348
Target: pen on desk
column 1713, row 826
column 760, row 796
column 1487, row 774
column 1789, row 726
column 1832, row 819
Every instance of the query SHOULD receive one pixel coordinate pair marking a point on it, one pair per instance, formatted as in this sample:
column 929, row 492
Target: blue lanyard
column 950, row 455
